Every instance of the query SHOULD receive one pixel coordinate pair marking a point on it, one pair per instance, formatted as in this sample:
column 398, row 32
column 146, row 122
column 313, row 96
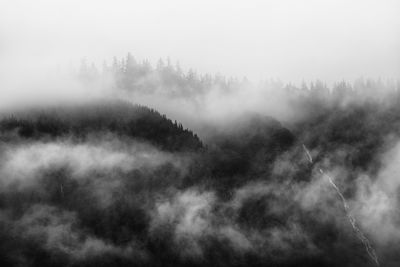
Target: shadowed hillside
column 80, row 121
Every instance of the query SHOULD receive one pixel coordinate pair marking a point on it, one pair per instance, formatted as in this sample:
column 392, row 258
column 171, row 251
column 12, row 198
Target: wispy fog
column 200, row 133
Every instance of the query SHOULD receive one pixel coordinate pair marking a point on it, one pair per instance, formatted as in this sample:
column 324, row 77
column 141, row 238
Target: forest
column 114, row 182
column 168, row 78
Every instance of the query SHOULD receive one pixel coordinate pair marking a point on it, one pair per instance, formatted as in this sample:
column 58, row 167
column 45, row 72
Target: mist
column 187, row 133
column 329, row 40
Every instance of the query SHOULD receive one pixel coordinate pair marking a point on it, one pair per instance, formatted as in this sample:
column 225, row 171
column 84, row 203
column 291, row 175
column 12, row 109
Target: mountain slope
column 117, row 117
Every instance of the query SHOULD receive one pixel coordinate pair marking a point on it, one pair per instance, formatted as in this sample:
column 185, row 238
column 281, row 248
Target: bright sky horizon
column 291, row 40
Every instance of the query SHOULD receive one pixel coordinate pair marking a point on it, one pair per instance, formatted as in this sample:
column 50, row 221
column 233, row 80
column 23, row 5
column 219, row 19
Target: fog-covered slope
column 114, row 184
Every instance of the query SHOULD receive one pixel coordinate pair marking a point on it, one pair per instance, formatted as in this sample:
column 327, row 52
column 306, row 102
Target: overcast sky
column 287, row 39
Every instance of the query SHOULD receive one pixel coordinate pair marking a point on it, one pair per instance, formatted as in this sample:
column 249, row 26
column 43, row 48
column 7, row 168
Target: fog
column 288, row 41
column 329, row 40
column 182, row 133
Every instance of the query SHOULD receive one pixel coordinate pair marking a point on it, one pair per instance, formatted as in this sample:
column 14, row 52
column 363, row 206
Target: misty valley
column 174, row 168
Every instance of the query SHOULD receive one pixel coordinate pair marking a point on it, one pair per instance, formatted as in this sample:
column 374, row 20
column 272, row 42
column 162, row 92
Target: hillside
column 80, row 121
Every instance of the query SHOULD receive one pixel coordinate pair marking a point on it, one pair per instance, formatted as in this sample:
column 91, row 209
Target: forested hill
column 86, row 119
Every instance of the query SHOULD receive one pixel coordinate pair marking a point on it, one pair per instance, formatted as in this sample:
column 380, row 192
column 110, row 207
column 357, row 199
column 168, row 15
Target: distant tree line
column 132, row 75
column 168, row 78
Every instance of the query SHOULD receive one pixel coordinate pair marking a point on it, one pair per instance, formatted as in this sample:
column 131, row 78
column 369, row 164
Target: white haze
column 287, row 39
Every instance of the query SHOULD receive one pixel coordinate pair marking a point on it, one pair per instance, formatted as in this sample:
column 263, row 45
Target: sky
column 291, row 40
